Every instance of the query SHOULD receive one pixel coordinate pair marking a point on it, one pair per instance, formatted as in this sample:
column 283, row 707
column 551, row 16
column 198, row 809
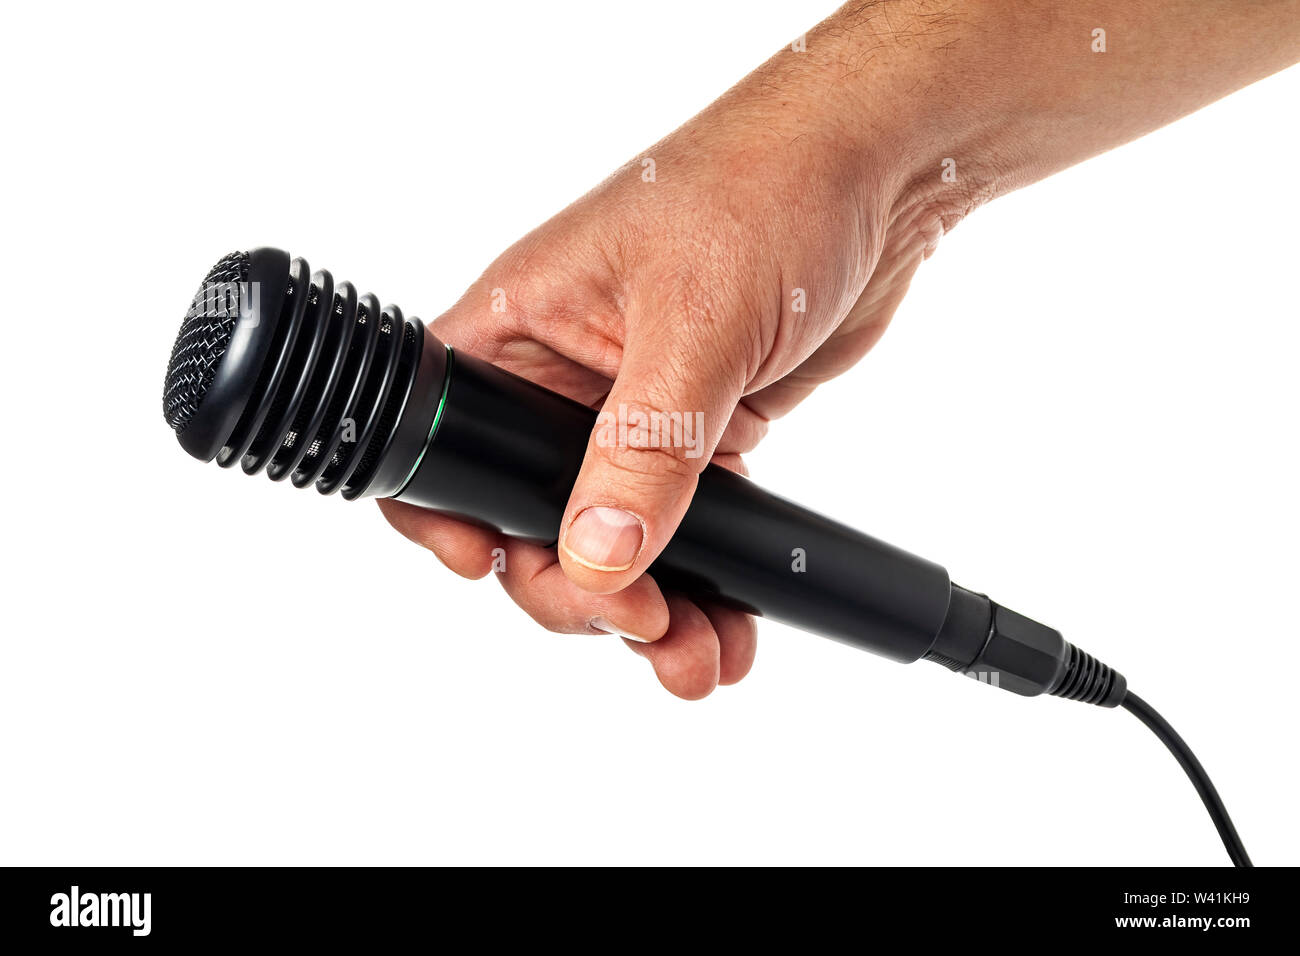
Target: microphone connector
column 1001, row 647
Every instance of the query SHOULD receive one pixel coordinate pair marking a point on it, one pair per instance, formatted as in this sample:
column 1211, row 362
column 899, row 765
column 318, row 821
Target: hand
column 721, row 282
column 761, row 250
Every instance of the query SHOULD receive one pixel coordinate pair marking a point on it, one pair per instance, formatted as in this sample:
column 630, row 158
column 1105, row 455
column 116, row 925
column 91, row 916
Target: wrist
column 891, row 97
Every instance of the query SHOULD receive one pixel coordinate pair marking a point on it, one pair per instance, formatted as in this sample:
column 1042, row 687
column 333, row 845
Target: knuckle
column 649, row 442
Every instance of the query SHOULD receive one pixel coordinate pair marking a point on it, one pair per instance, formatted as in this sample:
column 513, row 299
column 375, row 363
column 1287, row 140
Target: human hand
column 720, row 282
column 755, row 253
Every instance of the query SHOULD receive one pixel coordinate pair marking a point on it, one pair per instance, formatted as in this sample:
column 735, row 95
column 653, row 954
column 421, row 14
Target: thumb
column 656, row 432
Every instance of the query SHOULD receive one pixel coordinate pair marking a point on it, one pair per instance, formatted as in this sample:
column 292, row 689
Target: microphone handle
column 504, row 451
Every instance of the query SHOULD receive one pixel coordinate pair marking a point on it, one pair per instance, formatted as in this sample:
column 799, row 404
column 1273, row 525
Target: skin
column 821, row 172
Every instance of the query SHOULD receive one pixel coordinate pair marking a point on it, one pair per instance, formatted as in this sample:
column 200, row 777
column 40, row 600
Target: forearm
column 1001, row 93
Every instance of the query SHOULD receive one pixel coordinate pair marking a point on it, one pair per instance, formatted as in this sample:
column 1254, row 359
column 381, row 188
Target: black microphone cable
column 1144, row 712
column 278, row 369
column 1014, row 652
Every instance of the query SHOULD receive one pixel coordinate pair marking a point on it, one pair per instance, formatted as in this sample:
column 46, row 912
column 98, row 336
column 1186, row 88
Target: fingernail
column 600, row 624
column 604, row 539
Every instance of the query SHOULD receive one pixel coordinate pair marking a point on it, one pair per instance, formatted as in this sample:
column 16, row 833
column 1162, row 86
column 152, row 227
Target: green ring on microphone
column 437, row 419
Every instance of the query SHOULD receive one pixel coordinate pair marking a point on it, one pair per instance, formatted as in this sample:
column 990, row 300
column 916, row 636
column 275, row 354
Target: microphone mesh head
column 201, row 343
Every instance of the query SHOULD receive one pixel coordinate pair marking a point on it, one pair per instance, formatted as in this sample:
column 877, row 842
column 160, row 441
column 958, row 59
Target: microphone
column 277, row 368
column 280, row 369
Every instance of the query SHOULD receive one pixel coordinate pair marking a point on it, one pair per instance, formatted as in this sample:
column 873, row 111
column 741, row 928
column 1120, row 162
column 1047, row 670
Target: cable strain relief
column 1086, row 679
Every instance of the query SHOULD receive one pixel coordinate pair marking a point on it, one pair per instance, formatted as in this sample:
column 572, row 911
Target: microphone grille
column 202, row 341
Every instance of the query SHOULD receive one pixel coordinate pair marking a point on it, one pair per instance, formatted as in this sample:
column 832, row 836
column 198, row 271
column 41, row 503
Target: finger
column 465, row 548
column 856, row 335
column 535, row 581
column 744, row 431
column 731, row 463
column 543, row 311
column 655, row 433
column 737, row 641
column 686, row 658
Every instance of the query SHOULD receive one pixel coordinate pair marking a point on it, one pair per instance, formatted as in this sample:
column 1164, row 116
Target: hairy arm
column 1014, row 90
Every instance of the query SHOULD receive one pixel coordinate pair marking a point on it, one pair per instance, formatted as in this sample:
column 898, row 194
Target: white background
column 1086, row 408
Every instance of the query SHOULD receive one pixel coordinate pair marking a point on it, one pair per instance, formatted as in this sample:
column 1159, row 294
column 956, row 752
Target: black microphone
column 279, row 369
column 276, row 368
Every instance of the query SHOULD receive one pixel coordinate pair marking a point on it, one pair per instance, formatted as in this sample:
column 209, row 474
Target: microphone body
column 506, row 451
